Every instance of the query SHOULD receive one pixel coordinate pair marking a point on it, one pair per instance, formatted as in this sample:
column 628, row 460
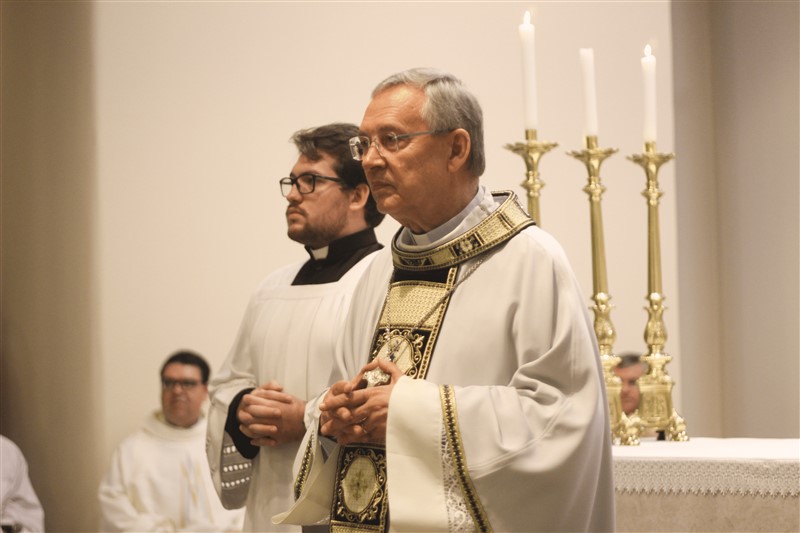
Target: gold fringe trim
column 305, row 468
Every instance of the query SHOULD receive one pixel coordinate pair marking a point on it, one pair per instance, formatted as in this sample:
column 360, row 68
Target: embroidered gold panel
column 406, row 333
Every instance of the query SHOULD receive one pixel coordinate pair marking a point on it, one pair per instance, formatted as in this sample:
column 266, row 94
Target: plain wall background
column 142, row 144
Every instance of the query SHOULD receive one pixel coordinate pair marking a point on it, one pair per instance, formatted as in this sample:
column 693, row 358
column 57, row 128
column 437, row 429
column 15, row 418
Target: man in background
column 283, row 352
column 159, row 478
column 629, row 369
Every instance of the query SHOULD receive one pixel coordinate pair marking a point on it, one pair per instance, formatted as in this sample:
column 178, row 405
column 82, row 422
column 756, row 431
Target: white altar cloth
column 708, row 484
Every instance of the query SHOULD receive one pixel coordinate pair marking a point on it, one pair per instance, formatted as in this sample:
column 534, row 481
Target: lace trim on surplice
column 460, row 495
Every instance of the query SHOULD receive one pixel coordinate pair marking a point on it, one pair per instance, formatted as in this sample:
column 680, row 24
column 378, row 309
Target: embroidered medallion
column 360, row 490
column 404, row 347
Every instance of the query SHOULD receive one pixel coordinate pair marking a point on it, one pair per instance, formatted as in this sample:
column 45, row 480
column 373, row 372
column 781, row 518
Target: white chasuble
column 508, row 430
column 287, row 334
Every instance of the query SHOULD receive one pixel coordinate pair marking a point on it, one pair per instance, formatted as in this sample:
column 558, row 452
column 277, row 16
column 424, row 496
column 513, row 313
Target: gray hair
column 448, row 105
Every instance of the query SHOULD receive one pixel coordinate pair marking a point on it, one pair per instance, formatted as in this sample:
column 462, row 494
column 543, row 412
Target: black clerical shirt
column 342, row 255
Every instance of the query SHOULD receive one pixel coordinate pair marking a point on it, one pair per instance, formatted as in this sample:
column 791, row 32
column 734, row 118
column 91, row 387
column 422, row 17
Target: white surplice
column 159, row 481
column 288, row 334
column 518, row 347
column 19, row 505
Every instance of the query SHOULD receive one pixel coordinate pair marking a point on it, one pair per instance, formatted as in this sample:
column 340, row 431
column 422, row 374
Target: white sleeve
column 19, row 504
column 532, row 454
column 236, row 374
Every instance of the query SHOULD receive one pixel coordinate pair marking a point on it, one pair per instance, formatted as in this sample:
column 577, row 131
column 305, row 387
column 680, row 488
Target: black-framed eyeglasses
column 185, row 384
column 385, row 142
column 305, row 183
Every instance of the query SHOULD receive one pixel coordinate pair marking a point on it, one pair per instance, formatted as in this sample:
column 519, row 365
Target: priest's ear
column 460, row 146
column 359, row 196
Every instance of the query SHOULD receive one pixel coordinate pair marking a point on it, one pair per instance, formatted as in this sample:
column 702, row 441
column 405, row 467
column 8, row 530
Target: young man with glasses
column 283, row 353
column 471, row 394
column 159, row 478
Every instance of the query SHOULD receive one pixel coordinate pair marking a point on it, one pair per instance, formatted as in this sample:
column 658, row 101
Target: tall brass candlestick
column 531, row 151
column 623, row 429
column 655, row 407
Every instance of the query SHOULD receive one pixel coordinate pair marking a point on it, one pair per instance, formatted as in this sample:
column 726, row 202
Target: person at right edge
column 481, row 406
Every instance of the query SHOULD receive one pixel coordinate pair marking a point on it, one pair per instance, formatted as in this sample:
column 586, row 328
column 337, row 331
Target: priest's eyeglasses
column 185, row 384
column 384, row 143
column 305, row 183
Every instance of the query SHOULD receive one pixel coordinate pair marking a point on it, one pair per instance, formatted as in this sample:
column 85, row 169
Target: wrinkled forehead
column 395, row 108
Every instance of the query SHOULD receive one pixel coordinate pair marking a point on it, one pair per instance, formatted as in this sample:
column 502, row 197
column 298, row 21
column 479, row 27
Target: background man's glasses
column 384, row 143
column 305, row 183
column 186, row 384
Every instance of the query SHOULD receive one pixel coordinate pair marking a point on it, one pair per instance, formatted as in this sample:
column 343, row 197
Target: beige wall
column 736, row 107
column 142, row 143
column 696, row 190
column 50, row 392
column 757, row 91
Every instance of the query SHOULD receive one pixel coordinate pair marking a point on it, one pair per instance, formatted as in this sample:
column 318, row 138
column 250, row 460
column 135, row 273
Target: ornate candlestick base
column 623, row 429
column 531, row 151
column 656, row 385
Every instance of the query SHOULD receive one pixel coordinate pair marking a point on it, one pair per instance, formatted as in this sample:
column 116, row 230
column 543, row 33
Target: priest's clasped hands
column 352, row 412
column 271, row 417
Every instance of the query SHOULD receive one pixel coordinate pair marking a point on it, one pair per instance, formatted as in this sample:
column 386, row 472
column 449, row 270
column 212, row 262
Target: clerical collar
column 484, row 227
column 319, row 254
column 342, row 247
column 481, row 205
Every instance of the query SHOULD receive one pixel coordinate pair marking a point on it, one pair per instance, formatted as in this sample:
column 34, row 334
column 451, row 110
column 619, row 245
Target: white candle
column 526, row 35
column 649, row 77
column 589, row 91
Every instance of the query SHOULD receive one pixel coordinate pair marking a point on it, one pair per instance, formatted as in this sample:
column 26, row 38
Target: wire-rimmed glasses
column 385, row 142
column 305, row 183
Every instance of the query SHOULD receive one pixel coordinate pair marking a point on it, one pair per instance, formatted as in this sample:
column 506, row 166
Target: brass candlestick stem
column 655, row 406
column 531, row 151
column 623, row 429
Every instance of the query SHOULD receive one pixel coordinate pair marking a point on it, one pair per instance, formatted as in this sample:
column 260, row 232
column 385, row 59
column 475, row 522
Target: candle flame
column 527, row 18
column 648, row 51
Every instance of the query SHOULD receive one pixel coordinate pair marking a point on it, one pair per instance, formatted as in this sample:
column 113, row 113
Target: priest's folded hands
column 271, row 417
column 353, row 411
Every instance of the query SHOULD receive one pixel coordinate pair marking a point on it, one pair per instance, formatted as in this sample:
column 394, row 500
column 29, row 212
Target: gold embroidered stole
column 408, row 328
column 359, row 501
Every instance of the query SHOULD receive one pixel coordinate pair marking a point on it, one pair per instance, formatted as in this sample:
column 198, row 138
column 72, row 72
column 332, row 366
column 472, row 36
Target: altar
column 708, row 484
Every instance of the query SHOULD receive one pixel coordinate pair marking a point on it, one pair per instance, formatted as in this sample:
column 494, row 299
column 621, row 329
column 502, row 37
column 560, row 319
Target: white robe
column 159, row 481
column 288, row 334
column 18, row 501
column 517, row 345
